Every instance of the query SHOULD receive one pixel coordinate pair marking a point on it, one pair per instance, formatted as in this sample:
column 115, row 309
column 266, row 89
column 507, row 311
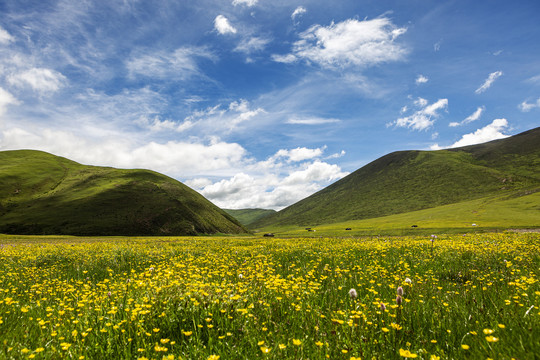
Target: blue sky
column 258, row 103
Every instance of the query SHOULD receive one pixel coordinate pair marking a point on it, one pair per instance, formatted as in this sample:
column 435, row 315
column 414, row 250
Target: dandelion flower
column 407, row 354
column 492, row 338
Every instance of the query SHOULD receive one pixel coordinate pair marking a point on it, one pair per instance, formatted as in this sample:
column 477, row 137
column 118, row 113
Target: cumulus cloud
column 174, row 158
column 179, row 64
column 526, row 106
column 223, row 26
column 348, row 43
column 248, row 3
column 6, row 99
column 423, row 118
column 272, row 191
column 421, row 79
column 312, row 121
column 39, row 79
column 489, row 81
column 5, row 37
column 473, row 117
column 489, row 132
column 493, row 131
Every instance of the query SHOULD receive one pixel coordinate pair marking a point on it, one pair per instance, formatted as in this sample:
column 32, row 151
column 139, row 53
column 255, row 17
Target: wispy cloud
column 248, row 3
column 348, row 43
column 423, row 118
column 6, row 99
column 5, row 37
column 473, row 117
column 39, row 79
column 179, row 64
column 252, row 44
column 299, row 11
column 223, row 26
column 489, row 81
column 526, row 106
column 312, row 121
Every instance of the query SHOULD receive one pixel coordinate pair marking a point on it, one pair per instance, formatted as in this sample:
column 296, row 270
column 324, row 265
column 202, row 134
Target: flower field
column 452, row 297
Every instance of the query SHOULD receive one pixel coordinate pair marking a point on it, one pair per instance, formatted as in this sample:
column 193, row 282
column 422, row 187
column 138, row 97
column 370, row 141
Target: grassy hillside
column 45, row 194
column 520, row 210
column 407, row 181
column 248, row 216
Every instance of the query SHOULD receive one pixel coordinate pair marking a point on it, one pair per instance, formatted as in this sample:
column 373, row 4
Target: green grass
column 520, row 210
column 407, row 181
column 248, row 216
column 464, row 297
column 44, row 194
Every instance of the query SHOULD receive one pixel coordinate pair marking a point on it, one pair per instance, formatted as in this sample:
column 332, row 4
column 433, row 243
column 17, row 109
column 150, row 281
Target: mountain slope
column 413, row 180
column 45, row 194
column 248, row 216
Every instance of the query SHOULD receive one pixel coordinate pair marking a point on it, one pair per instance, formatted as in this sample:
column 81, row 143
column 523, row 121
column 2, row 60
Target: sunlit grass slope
column 248, row 216
column 45, row 194
column 520, row 210
column 406, row 181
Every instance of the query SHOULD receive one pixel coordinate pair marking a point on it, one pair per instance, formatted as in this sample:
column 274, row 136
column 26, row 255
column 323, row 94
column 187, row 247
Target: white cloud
column 425, row 117
column 39, row 79
column 270, row 190
column 248, row 3
column 179, row 64
column 6, row 99
column 312, row 121
column 525, row 106
column 299, row 11
column 5, row 37
column 473, row 117
column 534, row 79
column 218, row 120
column 348, row 43
column 421, row 79
column 489, row 81
column 299, row 154
column 489, row 132
column 286, row 59
column 174, row 158
column 421, row 102
column 223, row 26
column 251, row 45
column 336, row 155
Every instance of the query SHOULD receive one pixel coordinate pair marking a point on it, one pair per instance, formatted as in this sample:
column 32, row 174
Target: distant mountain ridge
column 41, row 193
column 406, row 181
column 248, row 216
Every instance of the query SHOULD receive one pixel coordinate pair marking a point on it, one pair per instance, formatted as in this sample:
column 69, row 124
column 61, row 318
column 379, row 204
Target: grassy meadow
column 473, row 296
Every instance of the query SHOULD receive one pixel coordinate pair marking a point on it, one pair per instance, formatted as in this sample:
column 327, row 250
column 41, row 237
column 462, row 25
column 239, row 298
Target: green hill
column 248, row 216
column 45, row 194
column 407, row 181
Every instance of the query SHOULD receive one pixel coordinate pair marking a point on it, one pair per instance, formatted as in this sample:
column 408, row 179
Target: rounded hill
column 41, row 193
